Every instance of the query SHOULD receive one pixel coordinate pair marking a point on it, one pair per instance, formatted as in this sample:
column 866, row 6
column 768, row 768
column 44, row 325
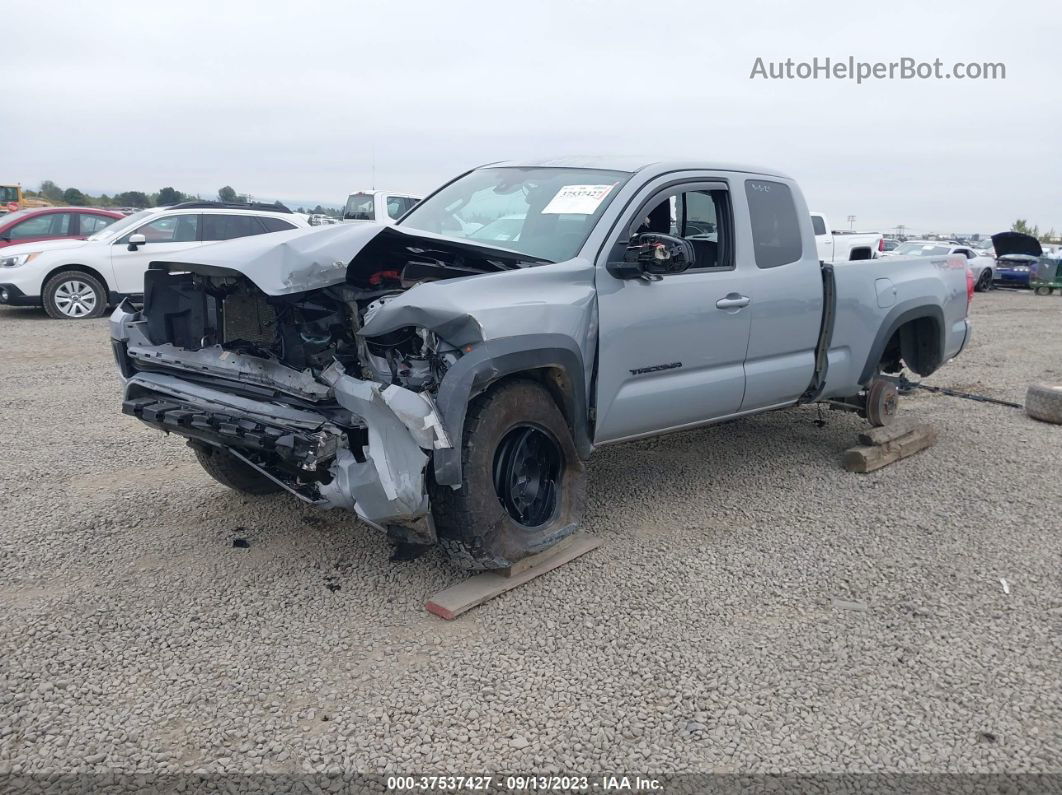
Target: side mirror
column 135, row 241
column 652, row 255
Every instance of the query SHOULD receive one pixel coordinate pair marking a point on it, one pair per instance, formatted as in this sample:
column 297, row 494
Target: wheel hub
column 527, row 467
column 75, row 298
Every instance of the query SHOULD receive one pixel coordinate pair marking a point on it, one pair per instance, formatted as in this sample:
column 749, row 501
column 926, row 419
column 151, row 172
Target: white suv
column 78, row 279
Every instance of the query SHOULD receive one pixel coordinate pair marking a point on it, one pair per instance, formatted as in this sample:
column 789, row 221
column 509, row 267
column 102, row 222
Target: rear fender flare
column 900, row 314
column 492, row 360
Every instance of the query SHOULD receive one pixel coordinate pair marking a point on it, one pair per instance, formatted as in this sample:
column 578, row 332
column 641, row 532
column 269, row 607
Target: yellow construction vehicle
column 12, row 198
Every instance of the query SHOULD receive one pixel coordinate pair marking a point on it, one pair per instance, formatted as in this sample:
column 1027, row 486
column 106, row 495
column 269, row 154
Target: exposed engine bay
column 289, row 383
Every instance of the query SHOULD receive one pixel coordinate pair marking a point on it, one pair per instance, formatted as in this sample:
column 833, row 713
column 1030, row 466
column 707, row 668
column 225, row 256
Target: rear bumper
column 11, row 295
column 356, row 444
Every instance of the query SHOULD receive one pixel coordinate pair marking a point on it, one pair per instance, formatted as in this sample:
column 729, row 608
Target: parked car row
column 77, row 278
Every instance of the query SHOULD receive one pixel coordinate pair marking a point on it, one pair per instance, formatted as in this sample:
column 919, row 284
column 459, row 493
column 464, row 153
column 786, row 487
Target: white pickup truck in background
column 842, row 246
column 381, row 206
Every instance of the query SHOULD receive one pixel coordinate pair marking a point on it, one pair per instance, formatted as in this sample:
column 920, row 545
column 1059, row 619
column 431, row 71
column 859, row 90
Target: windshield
column 545, row 213
column 921, row 249
column 8, row 193
column 114, row 229
column 359, row 207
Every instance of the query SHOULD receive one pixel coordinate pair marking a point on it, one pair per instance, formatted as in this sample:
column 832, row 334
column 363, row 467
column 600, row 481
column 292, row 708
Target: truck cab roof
column 633, row 164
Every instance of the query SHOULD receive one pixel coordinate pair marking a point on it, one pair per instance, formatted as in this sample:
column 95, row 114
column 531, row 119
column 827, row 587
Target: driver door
column 671, row 352
column 167, row 237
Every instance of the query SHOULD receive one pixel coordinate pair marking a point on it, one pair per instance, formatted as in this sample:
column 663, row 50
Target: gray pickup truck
column 447, row 378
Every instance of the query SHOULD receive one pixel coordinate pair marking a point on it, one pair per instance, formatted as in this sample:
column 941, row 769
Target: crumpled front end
column 329, row 437
column 339, row 363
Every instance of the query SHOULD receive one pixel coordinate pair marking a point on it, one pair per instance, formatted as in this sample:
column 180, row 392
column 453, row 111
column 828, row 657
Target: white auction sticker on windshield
column 577, row 200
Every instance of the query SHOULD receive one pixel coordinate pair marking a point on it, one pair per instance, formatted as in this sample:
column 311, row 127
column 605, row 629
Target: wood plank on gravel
column 871, row 457
column 451, row 602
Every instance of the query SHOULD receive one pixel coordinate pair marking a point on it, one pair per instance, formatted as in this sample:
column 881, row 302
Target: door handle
column 733, row 301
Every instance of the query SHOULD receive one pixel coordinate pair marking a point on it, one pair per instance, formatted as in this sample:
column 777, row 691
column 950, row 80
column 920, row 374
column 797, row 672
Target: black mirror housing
column 653, row 254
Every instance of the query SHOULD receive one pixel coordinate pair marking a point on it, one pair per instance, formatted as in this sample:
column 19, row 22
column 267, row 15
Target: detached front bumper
column 344, row 443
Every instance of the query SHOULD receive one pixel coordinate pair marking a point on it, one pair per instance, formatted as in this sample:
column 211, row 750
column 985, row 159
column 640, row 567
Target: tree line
column 163, row 197
column 1021, row 225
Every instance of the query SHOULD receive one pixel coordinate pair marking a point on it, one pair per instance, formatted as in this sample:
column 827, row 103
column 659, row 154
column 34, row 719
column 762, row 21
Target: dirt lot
column 754, row 607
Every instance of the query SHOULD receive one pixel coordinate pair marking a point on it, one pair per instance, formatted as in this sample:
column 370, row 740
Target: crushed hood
column 283, row 263
column 1010, row 243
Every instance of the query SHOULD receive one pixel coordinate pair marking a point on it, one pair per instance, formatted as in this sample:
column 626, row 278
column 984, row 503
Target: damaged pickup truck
column 449, row 388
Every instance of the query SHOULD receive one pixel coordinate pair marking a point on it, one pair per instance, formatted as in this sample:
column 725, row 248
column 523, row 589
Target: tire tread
column 233, row 473
column 1044, row 402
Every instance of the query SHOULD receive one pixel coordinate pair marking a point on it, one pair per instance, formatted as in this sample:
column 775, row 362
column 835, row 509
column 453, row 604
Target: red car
column 53, row 223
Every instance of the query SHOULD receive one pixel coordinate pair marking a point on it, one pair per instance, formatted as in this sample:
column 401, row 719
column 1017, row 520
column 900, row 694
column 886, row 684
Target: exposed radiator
column 248, row 317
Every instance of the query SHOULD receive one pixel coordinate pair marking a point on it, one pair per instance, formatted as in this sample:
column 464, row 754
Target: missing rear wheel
column 882, row 402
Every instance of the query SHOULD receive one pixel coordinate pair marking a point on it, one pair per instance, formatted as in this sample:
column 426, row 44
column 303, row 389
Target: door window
column 90, row 224
column 775, row 229
column 170, row 229
column 47, row 225
column 699, row 216
column 818, row 225
column 228, row 227
column 397, row 205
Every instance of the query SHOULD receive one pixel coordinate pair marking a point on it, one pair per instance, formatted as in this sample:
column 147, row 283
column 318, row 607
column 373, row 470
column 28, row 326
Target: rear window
column 775, row 229
column 359, row 207
column 275, row 224
column 818, row 224
column 228, row 227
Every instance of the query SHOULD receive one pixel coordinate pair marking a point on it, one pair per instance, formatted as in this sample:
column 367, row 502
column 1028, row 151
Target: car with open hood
column 1016, row 257
column 449, row 390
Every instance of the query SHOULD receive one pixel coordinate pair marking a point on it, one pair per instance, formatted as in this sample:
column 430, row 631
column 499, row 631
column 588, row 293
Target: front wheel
column 232, row 472
column 523, row 485
column 1043, row 290
column 74, row 295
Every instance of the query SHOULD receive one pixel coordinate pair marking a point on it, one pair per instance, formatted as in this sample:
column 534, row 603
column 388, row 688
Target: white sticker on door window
column 577, row 200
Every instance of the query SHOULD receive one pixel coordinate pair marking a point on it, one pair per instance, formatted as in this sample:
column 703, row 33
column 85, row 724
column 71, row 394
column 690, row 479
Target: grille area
column 248, row 317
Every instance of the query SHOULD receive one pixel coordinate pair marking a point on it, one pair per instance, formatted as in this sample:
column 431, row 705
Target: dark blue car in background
column 1016, row 256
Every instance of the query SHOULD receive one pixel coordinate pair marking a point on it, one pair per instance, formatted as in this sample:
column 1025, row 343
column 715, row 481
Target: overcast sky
column 292, row 99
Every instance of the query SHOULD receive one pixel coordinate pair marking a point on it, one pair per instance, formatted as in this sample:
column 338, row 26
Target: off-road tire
column 1044, row 402
column 49, row 295
column 474, row 528
column 232, row 472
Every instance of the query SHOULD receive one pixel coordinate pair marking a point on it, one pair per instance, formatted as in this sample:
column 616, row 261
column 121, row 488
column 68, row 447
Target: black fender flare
column 902, row 313
column 486, row 363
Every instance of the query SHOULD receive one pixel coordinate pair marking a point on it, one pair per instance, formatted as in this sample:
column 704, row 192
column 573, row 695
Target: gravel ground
column 754, row 607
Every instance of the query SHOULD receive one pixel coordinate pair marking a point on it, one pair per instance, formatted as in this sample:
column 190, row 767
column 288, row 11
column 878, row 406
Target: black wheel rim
column 527, row 468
